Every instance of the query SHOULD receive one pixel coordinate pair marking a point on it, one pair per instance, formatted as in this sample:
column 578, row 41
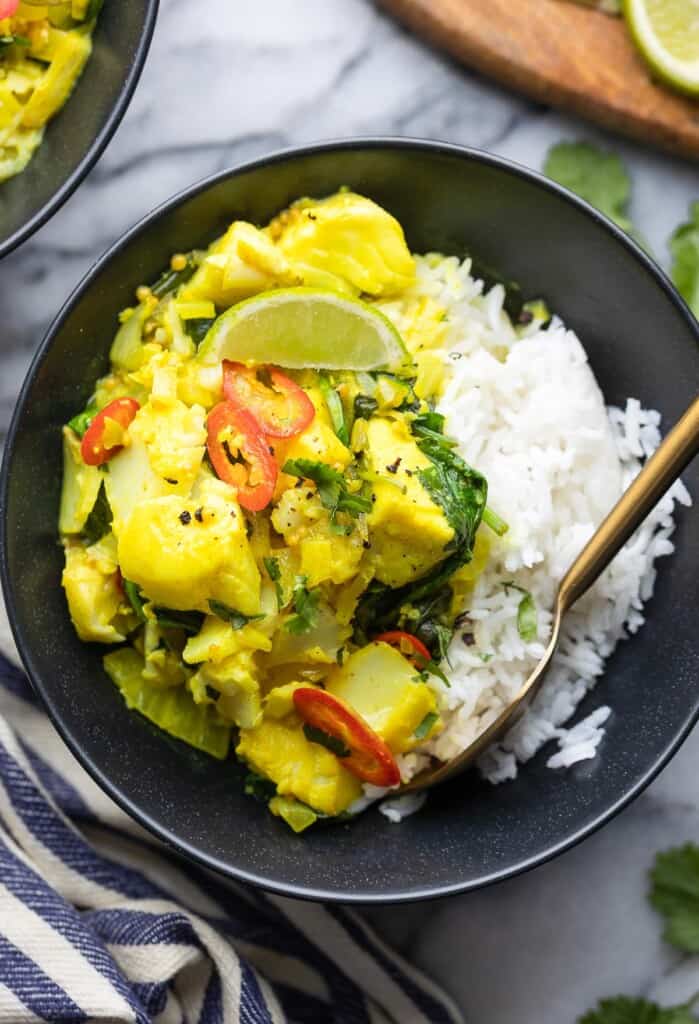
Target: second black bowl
column 77, row 135
column 642, row 341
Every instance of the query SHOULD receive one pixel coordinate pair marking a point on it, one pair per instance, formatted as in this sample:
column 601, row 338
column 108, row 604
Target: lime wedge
column 305, row 327
column 667, row 34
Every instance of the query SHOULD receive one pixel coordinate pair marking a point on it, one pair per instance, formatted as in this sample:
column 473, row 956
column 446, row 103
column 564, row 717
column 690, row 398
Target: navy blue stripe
column 59, row 789
column 212, row 1007
column 153, row 995
column 253, row 1005
column 14, row 680
column 142, row 928
column 34, row 988
column 56, row 835
column 430, row 1007
column 262, row 924
column 31, row 890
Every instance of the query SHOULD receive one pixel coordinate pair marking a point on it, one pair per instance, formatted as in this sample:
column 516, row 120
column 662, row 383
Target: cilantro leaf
column 600, row 178
column 684, row 246
column 99, row 520
column 675, row 894
column 623, row 1010
column 170, row 618
column 198, row 327
column 230, row 615
column 332, row 486
column 527, row 618
column 306, row 608
column 460, row 491
column 331, row 743
column 275, row 574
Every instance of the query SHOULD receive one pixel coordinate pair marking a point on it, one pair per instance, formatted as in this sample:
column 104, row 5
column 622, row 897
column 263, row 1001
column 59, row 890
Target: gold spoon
column 674, row 454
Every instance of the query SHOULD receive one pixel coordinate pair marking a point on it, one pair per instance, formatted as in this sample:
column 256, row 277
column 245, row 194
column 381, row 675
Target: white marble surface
column 226, row 82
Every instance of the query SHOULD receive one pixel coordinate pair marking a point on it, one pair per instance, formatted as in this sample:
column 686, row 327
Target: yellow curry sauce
column 230, row 577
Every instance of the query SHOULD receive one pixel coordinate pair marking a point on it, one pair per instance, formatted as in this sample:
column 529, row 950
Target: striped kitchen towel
column 99, row 922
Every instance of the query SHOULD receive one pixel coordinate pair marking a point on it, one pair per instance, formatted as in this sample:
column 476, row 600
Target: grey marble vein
column 228, row 82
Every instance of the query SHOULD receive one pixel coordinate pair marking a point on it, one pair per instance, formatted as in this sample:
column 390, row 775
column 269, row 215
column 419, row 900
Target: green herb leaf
column 425, row 727
column 99, row 520
column 527, row 618
column 684, row 246
column 332, row 743
column 259, row 787
column 170, row 280
column 230, row 615
column 600, row 178
column 335, row 408
column 675, row 894
column 135, row 599
column 432, row 668
column 623, row 1010
column 275, row 574
column 306, row 608
column 459, row 490
column 332, row 486
column 435, row 635
column 82, row 421
column 364, row 407
column 198, row 327
column 169, row 618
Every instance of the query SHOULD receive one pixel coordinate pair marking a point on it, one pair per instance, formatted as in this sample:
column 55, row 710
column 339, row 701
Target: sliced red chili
column 240, row 455
column 368, row 756
column 95, row 447
column 8, row 8
column 282, row 408
column 408, row 645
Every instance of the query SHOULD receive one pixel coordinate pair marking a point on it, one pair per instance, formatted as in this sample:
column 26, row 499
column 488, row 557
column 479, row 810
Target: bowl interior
column 76, row 135
column 641, row 343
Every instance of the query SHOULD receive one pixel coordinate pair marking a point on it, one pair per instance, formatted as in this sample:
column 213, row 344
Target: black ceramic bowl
column 642, row 341
column 76, row 137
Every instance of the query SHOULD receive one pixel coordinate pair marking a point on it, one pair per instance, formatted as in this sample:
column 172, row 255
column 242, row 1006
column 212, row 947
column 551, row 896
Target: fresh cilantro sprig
column 306, row 607
column 684, row 247
column 674, row 893
column 332, row 486
column 622, row 1010
column 599, row 177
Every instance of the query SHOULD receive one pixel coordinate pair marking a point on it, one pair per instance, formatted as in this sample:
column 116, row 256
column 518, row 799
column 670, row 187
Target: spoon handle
column 674, row 454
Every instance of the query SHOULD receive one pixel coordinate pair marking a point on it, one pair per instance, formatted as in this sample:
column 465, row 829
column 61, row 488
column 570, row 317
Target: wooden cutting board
column 563, row 55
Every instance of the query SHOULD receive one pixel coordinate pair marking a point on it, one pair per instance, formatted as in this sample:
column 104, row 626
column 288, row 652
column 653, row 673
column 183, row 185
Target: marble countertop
column 542, row 948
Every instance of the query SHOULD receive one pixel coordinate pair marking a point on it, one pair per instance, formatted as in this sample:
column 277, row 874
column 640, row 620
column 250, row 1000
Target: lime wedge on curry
column 305, row 327
column 667, row 34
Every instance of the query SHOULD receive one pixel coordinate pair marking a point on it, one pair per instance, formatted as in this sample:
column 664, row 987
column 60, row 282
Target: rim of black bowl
column 187, row 849
column 99, row 143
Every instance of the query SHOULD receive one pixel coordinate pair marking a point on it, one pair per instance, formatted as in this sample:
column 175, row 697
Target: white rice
column 528, row 413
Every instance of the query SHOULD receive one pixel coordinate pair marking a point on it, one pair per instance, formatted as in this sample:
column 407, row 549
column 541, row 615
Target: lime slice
column 305, row 327
column 667, row 34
